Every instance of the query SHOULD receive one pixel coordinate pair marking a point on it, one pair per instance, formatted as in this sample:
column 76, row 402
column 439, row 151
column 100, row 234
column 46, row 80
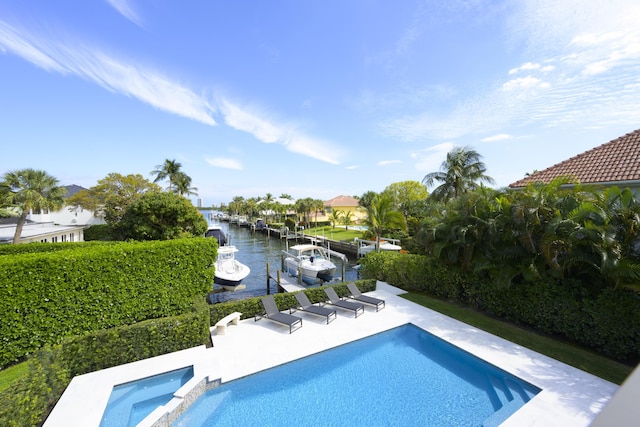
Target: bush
column 33, row 396
column 102, row 232
column 51, row 368
column 606, row 321
column 50, row 291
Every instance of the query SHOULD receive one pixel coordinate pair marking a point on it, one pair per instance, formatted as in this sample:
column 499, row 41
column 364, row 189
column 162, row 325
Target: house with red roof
column 346, row 204
column 615, row 163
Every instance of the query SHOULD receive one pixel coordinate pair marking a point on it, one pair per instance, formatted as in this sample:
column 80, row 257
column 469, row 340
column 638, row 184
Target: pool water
column 404, row 376
column 131, row 402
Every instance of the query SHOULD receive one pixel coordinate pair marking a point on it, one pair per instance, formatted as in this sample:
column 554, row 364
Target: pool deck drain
column 569, row 397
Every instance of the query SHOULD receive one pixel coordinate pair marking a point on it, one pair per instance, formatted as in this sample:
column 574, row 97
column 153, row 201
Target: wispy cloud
column 525, row 83
column 388, row 162
column 125, row 8
column 144, row 84
column 159, row 91
column 253, row 121
column 529, row 66
column 430, row 159
column 225, row 163
column 498, row 137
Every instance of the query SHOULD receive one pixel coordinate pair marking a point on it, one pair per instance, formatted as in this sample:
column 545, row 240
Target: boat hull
column 310, row 273
column 230, row 285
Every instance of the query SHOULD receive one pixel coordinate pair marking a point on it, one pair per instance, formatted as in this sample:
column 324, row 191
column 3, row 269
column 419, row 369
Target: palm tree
column 459, row 174
column 317, row 205
column 169, row 169
column 30, row 189
column 335, row 217
column 347, row 219
column 381, row 216
column 183, row 185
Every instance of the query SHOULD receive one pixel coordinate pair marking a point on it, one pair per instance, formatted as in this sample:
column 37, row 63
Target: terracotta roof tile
column 617, row 160
column 341, row 201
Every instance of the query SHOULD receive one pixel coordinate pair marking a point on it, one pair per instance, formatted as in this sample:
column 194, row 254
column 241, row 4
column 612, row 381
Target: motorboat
column 366, row 246
column 216, row 232
column 312, row 261
column 229, row 272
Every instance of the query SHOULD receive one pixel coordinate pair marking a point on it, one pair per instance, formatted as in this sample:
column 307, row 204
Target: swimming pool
column 404, row 376
column 131, row 402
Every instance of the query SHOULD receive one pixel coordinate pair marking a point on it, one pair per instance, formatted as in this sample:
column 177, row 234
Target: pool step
column 511, row 397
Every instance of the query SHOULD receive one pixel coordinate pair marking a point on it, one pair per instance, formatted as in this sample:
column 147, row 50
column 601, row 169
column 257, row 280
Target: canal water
column 255, row 250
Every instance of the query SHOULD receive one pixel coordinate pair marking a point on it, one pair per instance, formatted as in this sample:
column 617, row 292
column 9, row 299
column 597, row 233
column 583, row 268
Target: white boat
column 366, row 246
column 229, row 271
column 312, row 261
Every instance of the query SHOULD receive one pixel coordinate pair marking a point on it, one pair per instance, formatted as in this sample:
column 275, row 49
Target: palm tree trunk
column 19, row 225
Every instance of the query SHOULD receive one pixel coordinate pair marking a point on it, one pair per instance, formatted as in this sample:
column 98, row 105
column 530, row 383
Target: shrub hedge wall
column 31, row 398
column 606, row 321
column 49, row 291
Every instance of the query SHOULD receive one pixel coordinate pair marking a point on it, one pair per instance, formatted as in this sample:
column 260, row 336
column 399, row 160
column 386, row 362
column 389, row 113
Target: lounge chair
column 305, row 305
column 334, row 300
column 357, row 295
column 272, row 313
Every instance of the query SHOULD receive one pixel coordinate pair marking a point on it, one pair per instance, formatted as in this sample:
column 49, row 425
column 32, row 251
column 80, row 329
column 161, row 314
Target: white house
column 65, row 225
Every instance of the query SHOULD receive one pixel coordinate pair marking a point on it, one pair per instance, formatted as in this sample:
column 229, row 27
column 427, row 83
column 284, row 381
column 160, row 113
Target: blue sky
column 311, row 98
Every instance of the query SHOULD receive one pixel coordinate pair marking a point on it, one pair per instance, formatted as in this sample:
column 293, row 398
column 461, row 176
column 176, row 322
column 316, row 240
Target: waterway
column 256, row 250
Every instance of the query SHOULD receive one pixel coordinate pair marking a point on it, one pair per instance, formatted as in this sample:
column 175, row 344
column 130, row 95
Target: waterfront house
column 346, row 204
column 64, row 225
column 615, row 163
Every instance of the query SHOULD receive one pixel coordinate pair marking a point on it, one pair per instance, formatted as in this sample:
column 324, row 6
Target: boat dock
column 288, row 283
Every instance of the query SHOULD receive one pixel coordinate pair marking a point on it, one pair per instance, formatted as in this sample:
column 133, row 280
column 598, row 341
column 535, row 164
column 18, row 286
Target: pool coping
column 569, row 397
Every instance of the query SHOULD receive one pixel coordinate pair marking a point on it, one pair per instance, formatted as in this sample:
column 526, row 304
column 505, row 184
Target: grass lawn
column 12, row 373
column 570, row 354
column 339, row 233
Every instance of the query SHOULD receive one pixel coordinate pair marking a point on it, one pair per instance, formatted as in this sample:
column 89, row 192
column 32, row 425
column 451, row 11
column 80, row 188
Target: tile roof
column 617, row 160
column 72, row 190
column 342, row 201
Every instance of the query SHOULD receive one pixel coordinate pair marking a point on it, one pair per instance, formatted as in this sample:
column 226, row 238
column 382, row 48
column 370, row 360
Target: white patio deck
column 569, row 397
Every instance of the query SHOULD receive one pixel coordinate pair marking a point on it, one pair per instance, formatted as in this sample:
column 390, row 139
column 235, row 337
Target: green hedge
column 606, row 322
column 252, row 306
column 51, row 368
column 49, row 291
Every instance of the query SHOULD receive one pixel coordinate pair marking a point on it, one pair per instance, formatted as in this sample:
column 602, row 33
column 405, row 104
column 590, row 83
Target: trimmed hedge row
column 51, row 368
column 606, row 322
column 49, row 291
column 252, row 306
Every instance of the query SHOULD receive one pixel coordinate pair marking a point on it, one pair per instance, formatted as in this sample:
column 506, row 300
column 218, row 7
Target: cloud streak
column 253, row 121
column 146, row 85
column 224, row 163
column 125, row 9
column 159, row 91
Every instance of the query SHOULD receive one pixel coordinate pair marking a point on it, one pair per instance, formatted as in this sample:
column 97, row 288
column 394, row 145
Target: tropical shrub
column 161, row 216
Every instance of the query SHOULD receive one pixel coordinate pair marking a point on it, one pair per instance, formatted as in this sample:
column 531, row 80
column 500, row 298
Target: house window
column 71, row 237
column 64, row 237
column 54, row 239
